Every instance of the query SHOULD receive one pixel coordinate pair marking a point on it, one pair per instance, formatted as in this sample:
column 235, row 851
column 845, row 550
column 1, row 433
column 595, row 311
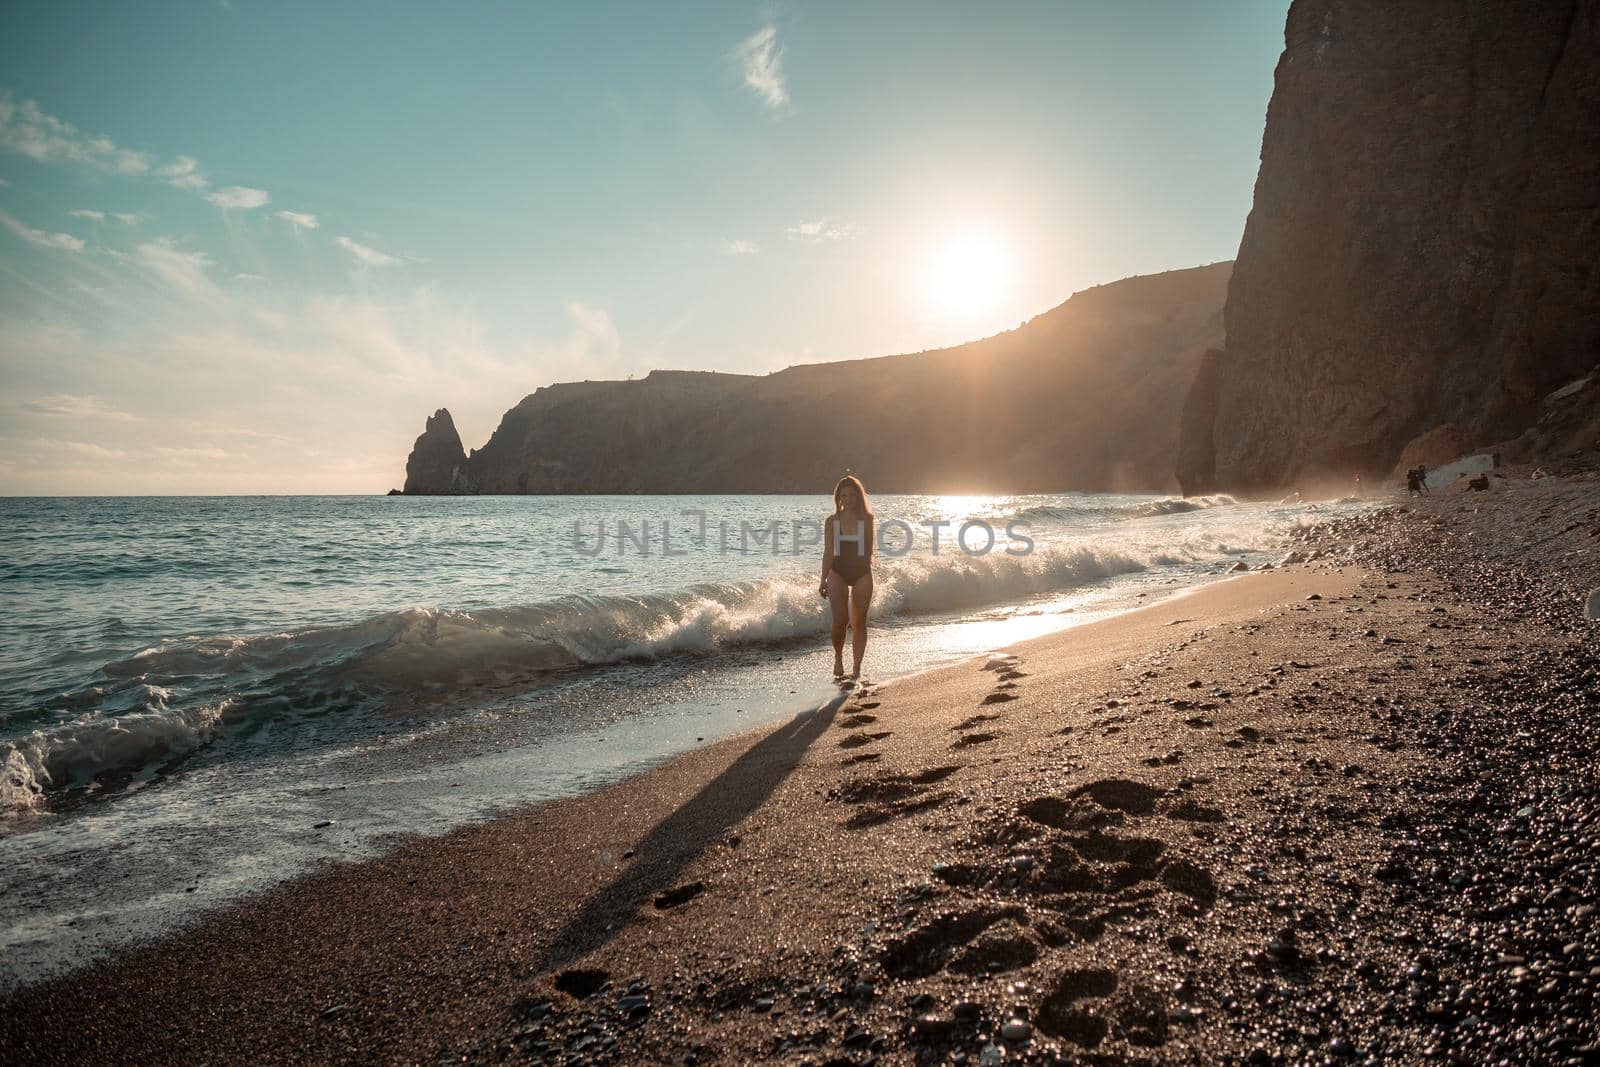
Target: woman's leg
column 860, row 600
column 839, row 600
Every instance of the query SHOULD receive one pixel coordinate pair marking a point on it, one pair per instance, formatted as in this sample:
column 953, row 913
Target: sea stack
column 437, row 462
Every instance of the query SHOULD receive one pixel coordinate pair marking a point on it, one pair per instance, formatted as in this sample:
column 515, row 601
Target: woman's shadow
column 652, row 875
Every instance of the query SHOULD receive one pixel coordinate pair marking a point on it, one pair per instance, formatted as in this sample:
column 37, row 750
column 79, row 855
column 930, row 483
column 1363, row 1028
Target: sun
column 968, row 274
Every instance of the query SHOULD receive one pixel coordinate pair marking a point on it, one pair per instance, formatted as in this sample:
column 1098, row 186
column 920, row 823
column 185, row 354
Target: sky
column 248, row 247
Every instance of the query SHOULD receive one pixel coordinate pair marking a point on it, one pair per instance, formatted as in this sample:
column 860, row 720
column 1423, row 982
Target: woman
column 847, row 542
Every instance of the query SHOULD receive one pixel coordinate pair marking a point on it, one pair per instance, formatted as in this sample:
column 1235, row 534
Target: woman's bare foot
column 838, row 668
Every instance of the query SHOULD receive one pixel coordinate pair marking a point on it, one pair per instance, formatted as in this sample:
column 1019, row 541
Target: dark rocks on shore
column 673, row 898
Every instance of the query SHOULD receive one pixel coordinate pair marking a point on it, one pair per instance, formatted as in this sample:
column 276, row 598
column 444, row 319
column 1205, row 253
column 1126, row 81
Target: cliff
column 437, row 459
column 1424, row 244
column 1085, row 396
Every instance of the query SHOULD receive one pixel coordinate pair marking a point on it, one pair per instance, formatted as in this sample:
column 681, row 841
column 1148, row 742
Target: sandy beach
column 1344, row 809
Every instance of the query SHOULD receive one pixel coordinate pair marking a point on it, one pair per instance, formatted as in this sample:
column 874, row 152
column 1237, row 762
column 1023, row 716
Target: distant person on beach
column 847, row 542
column 1413, row 483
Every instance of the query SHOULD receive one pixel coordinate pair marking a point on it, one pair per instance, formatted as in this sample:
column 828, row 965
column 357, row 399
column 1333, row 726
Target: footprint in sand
column 973, row 720
column 1069, row 879
column 974, row 739
column 857, row 740
column 1190, row 810
column 1135, row 798
column 865, row 757
column 923, row 951
column 1060, row 1014
column 894, row 796
column 869, row 704
column 999, row 698
column 581, row 983
column 853, row 721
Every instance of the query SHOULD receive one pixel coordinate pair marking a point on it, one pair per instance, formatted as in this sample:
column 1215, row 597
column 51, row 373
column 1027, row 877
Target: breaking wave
column 162, row 704
column 1144, row 509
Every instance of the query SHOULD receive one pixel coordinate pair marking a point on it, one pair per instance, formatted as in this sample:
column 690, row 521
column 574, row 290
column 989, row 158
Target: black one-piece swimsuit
column 849, row 563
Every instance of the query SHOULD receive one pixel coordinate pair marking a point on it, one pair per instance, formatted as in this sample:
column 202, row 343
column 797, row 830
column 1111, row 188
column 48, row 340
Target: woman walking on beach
column 847, row 541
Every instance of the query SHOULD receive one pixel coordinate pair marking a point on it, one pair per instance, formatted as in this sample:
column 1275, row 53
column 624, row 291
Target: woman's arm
column 827, row 552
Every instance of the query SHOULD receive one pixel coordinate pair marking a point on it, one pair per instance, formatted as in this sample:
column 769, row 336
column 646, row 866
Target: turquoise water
column 190, row 686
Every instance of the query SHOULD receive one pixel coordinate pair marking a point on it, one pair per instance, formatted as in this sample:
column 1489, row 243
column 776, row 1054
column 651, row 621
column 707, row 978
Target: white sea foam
column 134, row 720
column 1124, row 509
column 75, row 753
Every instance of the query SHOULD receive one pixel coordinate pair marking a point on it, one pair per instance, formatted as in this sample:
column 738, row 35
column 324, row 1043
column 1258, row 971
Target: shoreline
column 58, row 922
column 740, row 737
column 1170, row 841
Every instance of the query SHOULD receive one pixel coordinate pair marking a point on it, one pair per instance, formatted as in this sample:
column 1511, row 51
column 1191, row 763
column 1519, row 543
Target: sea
column 202, row 697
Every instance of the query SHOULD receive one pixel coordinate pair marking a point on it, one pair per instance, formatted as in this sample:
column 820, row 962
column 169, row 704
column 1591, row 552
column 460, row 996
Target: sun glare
column 969, row 274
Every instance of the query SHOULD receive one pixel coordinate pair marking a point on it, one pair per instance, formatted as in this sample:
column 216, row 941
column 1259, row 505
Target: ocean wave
column 75, row 754
column 169, row 700
column 1143, row 509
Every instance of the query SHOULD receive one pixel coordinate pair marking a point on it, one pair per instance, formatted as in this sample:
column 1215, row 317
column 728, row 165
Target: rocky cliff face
column 1082, row 397
column 1424, row 246
column 437, row 462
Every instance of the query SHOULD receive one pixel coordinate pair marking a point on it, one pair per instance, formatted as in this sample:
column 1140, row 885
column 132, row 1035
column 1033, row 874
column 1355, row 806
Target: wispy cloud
column 761, row 62
column 88, row 450
column 817, row 231
column 62, row 241
column 370, row 257
column 300, row 220
column 183, row 271
column 740, row 247
column 130, row 219
column 238, row 196
column 68, row 406
column 272, row 369
column 190, row 454
column 25, row 128
column 184, row 173
column 85, row 213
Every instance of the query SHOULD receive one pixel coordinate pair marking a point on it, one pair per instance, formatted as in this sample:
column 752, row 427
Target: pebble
column 1016, row 1030
column 857, row 1037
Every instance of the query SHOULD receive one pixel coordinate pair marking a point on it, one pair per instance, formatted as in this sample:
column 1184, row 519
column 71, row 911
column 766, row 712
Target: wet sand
column 1344, row 809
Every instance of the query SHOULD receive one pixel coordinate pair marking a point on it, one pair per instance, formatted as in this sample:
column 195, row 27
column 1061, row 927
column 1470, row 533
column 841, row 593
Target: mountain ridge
column 1083, row 396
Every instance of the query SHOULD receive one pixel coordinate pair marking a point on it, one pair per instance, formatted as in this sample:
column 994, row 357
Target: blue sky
column 248, row 247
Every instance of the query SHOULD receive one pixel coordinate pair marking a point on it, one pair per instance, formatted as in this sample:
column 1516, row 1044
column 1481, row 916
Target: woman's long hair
column 838, row 490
